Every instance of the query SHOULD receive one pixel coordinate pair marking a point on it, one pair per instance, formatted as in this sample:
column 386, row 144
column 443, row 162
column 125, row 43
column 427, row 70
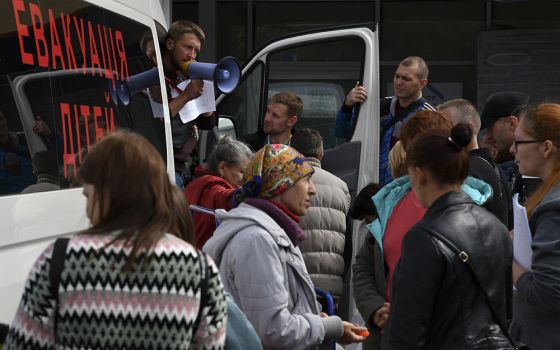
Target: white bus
column 59, row 60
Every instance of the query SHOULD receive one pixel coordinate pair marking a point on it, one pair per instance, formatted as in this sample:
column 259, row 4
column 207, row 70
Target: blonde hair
column 182, row 27
column 397, row 161
column 542, row 122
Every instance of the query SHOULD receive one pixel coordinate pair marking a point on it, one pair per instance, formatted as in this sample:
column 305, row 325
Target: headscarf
column 274, row 169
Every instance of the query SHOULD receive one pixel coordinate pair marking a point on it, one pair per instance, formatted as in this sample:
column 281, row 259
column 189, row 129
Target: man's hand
column 155, row 93
column 353, row 333
column 357, row 95
column 195, row 89
column 379, row 317
column 40, row 127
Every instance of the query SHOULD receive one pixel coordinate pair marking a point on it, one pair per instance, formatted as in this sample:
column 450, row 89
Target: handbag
column 464, row 258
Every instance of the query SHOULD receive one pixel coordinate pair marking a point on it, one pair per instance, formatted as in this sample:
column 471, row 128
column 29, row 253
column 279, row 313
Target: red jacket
column 212, row 192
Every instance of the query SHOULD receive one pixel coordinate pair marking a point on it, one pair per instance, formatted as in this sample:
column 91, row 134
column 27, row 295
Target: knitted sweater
column 102, row 307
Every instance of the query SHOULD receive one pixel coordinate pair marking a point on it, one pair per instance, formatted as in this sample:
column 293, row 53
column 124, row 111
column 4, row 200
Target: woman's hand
column 353, row 333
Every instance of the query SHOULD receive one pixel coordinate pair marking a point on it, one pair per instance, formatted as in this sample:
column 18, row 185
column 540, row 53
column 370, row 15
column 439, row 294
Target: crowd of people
column 435, row 269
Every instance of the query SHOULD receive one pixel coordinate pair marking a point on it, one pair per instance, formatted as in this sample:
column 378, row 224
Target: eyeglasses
column 520, row 142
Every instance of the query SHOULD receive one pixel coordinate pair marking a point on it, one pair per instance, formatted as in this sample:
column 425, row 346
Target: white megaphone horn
column 225, row 73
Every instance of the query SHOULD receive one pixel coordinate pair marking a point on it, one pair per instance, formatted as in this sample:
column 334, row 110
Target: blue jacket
column 388, row 197
column 390, row 127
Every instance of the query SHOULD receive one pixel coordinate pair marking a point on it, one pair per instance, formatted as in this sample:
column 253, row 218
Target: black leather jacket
column 436, row 303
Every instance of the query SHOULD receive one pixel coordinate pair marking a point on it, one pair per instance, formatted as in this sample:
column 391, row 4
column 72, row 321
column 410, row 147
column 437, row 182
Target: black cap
column 499, row 105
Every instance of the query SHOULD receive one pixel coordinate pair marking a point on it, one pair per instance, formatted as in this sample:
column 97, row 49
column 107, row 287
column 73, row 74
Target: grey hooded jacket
column 536, row 304
column 266, row 275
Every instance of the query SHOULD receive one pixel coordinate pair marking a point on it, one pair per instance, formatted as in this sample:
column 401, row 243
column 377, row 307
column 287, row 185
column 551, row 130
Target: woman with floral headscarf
column 256, row 249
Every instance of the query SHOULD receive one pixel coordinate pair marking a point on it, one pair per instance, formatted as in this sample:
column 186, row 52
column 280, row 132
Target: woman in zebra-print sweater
column 131, row 281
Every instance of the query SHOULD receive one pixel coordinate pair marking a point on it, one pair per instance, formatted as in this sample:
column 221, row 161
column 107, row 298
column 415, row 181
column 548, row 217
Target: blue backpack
column 240, row 333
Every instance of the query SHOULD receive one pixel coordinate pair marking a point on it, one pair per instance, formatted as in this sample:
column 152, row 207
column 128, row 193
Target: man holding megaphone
column 182, row 44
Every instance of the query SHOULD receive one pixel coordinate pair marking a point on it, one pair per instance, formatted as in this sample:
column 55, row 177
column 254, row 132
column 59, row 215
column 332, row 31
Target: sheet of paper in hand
column 192, row 109
column 522, row 252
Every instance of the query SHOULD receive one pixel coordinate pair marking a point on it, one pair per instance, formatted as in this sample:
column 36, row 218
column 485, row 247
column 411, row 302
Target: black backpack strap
column 384, row 110
column 464, row 258
column 389, row 125
column 203, row 287
column 496, row 169
column 58, row 259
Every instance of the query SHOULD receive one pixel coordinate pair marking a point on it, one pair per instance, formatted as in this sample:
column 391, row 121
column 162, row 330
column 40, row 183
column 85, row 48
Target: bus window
column 63, row 63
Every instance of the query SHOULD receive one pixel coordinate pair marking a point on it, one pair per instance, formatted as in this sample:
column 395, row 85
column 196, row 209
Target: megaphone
column 135, row 83
column 225, row 73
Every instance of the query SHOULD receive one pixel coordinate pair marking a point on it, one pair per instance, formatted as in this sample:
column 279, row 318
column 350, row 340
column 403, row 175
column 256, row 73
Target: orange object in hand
column 364, row 333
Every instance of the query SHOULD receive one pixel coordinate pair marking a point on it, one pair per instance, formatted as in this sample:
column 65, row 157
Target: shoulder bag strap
column 464, row 258
column 497, row 171
column 58, row 259
column 203, row 287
